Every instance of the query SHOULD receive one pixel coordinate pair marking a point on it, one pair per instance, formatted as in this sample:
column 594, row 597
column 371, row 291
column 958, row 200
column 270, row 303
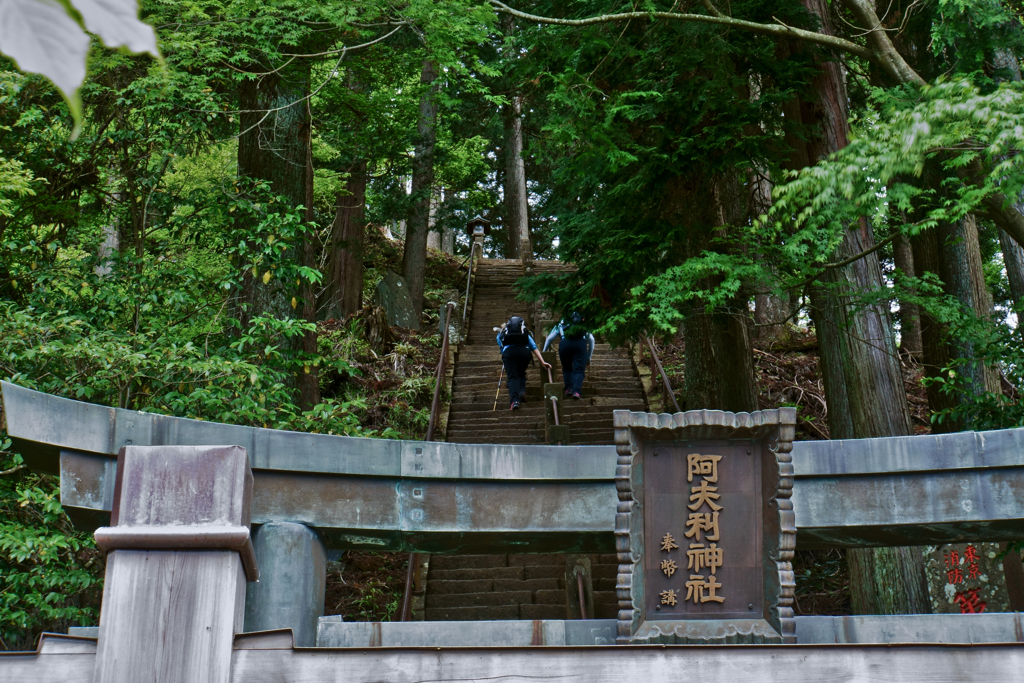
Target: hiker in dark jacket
column 574, row 351
column 517, row 348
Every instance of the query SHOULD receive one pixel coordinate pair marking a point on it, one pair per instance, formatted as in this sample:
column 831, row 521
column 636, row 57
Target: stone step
column 543, row 612
column 492, row 613
column 481, row 599
column 481, row 573
column 516, row 440
column 549, row 597
column 528, row 584
column 608, row 387
column 464, row 408
column 580, row 420
column 591, row 387
column 467, row 561
column 467, row 386
column 599, row 367
column 491, row 354
column 508, row 437
column 489, row 350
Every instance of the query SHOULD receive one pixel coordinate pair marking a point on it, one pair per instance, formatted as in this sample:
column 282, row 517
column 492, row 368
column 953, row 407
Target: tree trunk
column 433, row 236
column 448, row 239
column 275, row 146
column 719, row 361
column 516, row 204
column 309, row 378
column 863, row 383
column 111, row 243
column 517, row 225
column 910, row 314
column 934, row 350
column 771, row 315
column 719, row 358
column 897, row 567
column 952, row 252
column 344, row 291
column 1013, row 254
column 1013, row 260
column 964, row 276
column 414, row 258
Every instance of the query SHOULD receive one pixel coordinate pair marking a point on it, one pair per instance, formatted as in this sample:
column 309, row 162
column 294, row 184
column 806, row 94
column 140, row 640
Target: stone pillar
column 178, row 556
column 293, row 581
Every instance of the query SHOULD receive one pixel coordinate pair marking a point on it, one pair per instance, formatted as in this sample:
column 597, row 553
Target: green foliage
column 993, row 344
column 949, row 129
column 50, row 574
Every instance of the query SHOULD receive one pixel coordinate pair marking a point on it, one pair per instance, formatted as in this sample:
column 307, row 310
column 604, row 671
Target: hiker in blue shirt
column 574, row 351
column 517, row 348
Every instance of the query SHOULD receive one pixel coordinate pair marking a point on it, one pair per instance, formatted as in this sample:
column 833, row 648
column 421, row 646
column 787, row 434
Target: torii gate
column 344, row 492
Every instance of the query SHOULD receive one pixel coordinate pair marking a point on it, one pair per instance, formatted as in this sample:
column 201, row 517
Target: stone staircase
column 489, row 587
column 611, row 382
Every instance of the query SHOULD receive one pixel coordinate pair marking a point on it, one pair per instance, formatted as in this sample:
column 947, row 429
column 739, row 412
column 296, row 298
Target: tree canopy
column 193, row 225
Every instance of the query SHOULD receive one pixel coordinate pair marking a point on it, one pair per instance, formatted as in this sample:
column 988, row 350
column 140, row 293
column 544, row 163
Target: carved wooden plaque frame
column 704, row 528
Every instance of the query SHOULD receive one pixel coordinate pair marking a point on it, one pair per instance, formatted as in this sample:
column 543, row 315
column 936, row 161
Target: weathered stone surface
column 550, row 597
column 966, row 578
column 482, row 613
column 467, row 561
column 541, row 611
column 478, row 599
column 470, row 574
column 393, row 296
column 470, row 586
column 553, row 560
column 531, row 585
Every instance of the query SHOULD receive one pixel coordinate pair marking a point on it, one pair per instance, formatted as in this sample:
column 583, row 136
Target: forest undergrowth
column 375, row 381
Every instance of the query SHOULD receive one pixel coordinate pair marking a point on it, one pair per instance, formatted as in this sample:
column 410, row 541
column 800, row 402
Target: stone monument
column 966, row 578
column 704, row 527
column 393, row 296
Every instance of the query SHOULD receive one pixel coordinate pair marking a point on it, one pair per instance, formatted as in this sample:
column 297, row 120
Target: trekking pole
column 500, row 376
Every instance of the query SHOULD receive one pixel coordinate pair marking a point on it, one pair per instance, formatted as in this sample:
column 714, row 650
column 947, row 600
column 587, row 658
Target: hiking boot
column 568, row 393
column 514, row 406
column 576, row 395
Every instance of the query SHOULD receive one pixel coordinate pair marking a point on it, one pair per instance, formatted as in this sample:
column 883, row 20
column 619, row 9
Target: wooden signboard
column 705, row 529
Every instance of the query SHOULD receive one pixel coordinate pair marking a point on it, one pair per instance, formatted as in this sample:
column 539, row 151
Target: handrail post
column 405, row 612
column 435, row 405
column 469, row 275
column 664, row 377
column 556, row 433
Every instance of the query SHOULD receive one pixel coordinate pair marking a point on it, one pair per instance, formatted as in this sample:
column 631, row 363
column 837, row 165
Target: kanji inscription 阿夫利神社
column 699, row 557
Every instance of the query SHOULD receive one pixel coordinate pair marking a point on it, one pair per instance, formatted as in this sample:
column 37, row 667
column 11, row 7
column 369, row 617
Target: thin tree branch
column 349, row 49
column 780, row 30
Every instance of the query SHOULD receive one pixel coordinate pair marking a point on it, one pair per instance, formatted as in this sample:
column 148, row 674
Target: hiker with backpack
column 574, row 351
column 517, row 350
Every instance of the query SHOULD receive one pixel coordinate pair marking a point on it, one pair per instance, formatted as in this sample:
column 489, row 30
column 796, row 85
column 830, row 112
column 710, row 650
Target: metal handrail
column 405, row 613
column 435, row 405
column 664, row 377
column 469, row 278
column 554, row 399
column 582, row 593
